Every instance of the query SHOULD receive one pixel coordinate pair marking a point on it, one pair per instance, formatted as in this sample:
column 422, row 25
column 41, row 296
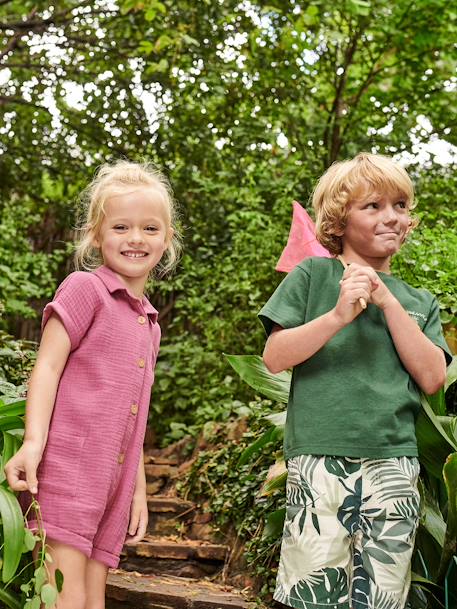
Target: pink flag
column 302, row 241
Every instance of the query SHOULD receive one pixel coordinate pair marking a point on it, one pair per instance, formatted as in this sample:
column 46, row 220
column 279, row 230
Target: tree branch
column 332, row 137
column 15, row 40
column 5, row 100
column 29, row 24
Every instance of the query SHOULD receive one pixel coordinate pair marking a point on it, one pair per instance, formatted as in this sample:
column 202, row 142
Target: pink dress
column 88, row 470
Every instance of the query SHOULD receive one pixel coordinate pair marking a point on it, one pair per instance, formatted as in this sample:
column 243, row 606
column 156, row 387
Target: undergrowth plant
column 24, row 580
column 229, row 480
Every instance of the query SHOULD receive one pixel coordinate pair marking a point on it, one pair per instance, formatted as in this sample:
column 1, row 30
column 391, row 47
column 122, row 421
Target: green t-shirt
column 353, row 397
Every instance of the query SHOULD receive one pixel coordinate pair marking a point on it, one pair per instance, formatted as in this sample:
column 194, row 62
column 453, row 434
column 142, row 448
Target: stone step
column 174, row 556
column 136, row 591
column 159, row 475
column 179, row 549
column 151, row 458
column 160, row 470
column 169, row 515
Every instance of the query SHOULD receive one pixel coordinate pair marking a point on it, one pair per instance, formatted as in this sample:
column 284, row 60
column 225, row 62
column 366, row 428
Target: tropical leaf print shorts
column 349, row 532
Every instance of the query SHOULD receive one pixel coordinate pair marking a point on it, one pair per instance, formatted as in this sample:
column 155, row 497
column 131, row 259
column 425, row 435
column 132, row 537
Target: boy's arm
column 287, row 347
column 424, row 360
column 52, row 357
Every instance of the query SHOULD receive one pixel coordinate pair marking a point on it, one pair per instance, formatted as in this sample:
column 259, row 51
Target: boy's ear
column 339, row 232
column 408, row 230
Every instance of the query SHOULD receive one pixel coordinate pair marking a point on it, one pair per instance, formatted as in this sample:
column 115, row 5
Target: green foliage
column 231, row 487
column 24, row 580
column 16, row 361
column 25, row 275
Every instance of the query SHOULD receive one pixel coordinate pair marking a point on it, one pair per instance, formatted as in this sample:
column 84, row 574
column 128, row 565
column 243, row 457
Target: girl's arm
column 286, row 348
column 139, row 514
column 52, row 357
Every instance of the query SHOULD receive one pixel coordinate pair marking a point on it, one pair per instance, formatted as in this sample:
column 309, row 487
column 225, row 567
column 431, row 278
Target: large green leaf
column 11, row 444
column 274, row 523
column 451, row 376
column 437, row 402
column 278, row 482
column 450, row 540
column 432, row 518
column 278, row 419
column 13, row 409
column 272, row 434
column 254, row 372
column 449, row 425
column 422, row 581
column 13, row 533
column 433, row 442
column 9, row 599
column 428, row 586
column 11, row 422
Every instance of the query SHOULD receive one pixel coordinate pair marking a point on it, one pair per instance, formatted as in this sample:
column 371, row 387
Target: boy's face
column 376, row 227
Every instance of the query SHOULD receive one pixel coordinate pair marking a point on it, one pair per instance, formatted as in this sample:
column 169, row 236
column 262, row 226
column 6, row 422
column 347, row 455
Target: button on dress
column 89, row 466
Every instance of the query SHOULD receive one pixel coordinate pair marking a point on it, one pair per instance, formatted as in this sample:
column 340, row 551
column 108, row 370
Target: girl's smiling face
column 376, row 226
column 134, row 235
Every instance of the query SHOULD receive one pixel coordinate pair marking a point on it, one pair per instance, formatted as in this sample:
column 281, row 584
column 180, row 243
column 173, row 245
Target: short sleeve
column 287, row 305
column 434, row 331
column 75, row 303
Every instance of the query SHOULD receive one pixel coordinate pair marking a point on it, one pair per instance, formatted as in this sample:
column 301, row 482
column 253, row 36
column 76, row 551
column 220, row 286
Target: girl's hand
column 24, row 464
column 139, row 516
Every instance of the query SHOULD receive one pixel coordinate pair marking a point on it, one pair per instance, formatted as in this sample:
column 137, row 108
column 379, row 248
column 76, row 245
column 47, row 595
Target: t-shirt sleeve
column 75, row 303
column 434, row 331
column 287, row 306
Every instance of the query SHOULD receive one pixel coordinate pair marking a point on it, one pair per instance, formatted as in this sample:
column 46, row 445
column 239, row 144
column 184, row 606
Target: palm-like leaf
column 450, row 541
column 254, row 372
column 13, row 533
column 434, row 444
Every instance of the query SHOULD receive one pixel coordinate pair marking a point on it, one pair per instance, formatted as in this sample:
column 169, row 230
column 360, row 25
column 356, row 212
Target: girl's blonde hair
column 344, row 181
column 114, row 179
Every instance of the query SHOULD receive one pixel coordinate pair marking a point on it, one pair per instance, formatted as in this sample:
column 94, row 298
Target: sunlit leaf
column 271, row 435
column 59, row 579
column 48, row 594
column 254, row 372
column 13, row 533
column 274, row 523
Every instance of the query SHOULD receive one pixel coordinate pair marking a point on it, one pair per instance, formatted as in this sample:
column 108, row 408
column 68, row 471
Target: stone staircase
column 180, row 564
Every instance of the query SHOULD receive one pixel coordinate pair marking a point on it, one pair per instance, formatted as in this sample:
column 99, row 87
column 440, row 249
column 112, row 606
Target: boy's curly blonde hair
column 344, row 181
column 112, row 179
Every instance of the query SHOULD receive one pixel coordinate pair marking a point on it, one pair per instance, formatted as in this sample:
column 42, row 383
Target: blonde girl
column 89, row 392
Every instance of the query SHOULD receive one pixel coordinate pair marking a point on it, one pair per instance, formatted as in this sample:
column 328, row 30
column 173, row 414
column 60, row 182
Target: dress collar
column 114, row 284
